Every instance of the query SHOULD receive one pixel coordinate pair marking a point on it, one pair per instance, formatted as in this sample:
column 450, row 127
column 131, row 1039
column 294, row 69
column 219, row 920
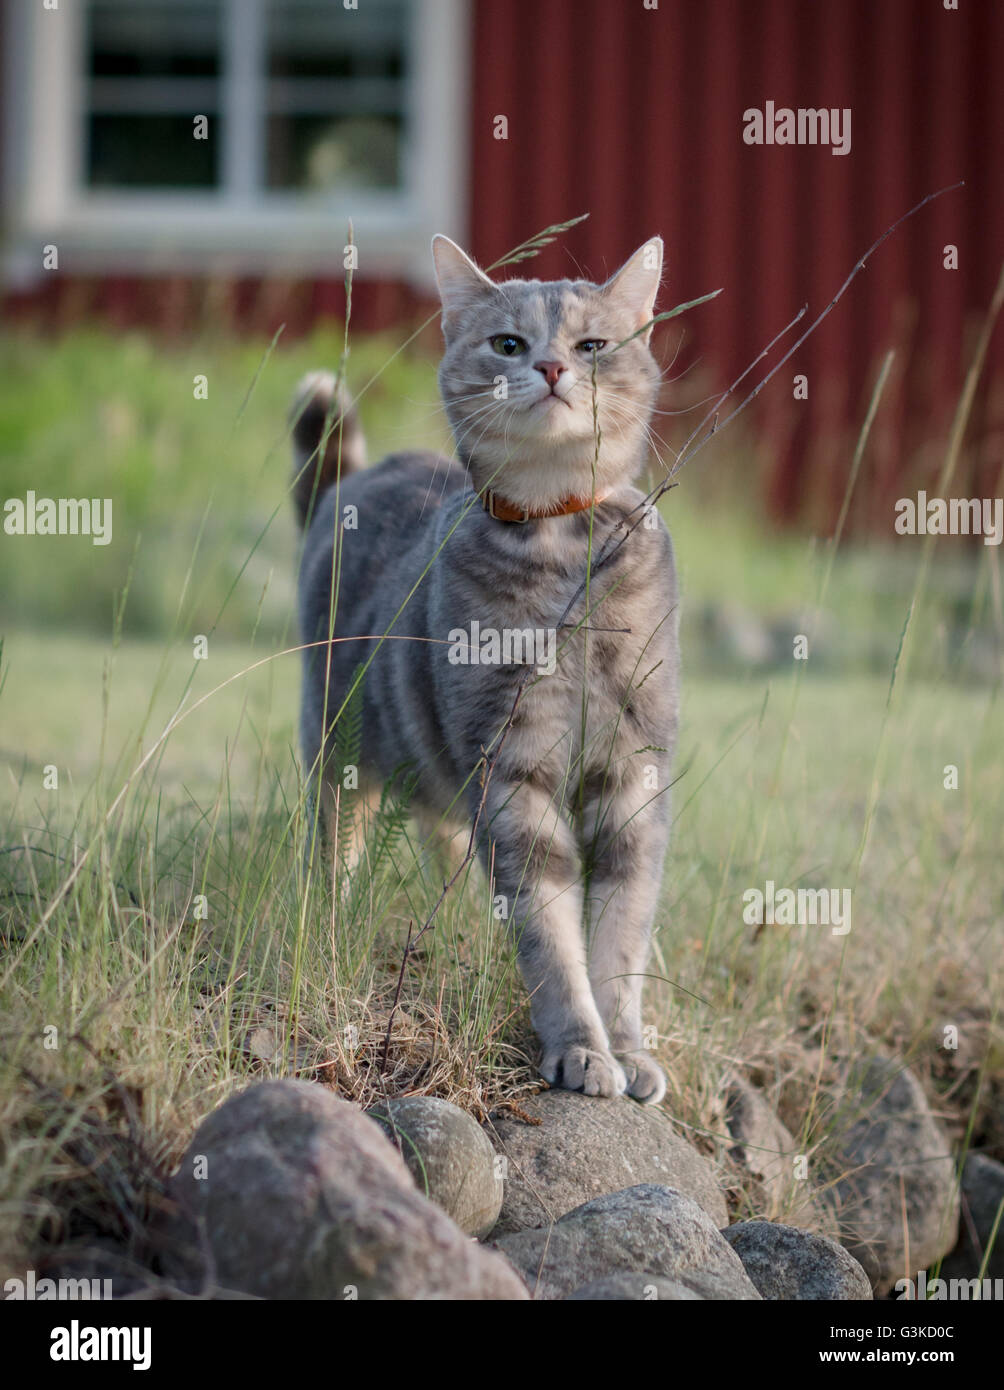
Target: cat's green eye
column 592, row 345
column 508, row 344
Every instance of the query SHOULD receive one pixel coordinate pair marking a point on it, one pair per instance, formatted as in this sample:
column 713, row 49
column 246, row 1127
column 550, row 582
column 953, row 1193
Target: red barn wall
column 636, row 116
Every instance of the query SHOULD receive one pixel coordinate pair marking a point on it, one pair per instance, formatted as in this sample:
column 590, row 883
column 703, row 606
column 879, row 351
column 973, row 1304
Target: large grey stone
column 288, row 1192
column 761, row 1143
column 651, row 1288
column 107, row 1262
column 645, row 1229
column 785, row 1263
column 982, row 1195
column 584, row 1147
column 765, row 1148
column 894, row 1158
column 449, row 1156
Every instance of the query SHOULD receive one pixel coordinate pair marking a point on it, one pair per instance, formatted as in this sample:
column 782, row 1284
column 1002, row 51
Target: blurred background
column 194, row 165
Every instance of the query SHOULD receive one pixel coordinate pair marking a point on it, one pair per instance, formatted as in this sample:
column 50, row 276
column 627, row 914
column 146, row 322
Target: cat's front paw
column 645, row 1079
column 593, row 1071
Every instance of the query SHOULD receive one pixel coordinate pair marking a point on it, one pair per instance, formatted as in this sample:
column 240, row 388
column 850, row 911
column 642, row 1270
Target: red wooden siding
column 635, row 116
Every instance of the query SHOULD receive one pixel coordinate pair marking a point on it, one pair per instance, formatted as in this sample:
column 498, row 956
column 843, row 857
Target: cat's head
column 517, row 375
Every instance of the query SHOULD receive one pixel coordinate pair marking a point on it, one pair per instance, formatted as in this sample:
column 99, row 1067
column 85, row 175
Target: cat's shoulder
column 393, row 493
column 641, row 544
column 414, row 464
column 413, row 477
column 630, row 507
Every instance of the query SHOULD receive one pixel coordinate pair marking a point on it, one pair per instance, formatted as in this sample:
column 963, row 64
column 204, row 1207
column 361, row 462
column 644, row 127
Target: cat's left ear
column 636, row 284
column 460, row 280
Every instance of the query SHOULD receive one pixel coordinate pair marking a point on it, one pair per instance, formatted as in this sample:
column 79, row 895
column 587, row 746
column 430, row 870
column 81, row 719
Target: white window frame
column 237, row 228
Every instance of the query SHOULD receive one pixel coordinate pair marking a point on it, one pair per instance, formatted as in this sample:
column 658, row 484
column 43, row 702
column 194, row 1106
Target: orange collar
column 497, row 507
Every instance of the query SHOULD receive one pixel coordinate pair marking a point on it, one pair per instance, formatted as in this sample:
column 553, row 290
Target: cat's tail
column 327, row 440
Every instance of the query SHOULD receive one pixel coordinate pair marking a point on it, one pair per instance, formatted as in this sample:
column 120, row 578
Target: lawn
column 158, row 946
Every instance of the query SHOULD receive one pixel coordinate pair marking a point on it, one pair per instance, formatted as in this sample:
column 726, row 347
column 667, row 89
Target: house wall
column 636, row 116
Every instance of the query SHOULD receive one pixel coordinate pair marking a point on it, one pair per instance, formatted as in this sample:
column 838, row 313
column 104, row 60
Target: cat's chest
column 596, row 665
column 601, row 656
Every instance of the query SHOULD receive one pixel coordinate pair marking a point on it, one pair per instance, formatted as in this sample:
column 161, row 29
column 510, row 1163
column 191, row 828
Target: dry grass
column 161, row 1015
column 161, row 1010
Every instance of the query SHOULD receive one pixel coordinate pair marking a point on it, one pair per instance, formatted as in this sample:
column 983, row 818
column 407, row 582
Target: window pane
column 318, row 152
column 334, row 110
column 155, row 38
column 153, row 65
column 150, row 152
column 320, row 38
column 336, row 94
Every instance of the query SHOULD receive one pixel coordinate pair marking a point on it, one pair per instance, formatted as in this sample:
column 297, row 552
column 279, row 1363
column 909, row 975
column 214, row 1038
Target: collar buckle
column 488, row 502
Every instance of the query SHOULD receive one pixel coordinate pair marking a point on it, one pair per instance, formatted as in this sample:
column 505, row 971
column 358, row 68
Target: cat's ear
column 459, row 279
column 636, row 284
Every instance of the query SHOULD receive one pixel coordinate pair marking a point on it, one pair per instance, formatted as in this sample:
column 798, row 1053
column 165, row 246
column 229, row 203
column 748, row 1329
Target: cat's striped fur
column 576, row 821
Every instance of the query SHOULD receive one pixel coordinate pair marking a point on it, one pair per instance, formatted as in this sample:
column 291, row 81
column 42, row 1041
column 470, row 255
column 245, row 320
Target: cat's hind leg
column 338, row 823
column 444, row 841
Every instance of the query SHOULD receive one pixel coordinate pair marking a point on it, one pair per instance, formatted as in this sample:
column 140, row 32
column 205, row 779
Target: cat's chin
column 556, row 422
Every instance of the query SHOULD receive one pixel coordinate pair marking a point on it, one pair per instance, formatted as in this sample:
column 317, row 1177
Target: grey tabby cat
column 576, row 820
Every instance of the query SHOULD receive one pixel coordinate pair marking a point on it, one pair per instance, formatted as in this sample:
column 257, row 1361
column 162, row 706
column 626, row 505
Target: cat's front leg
column 529, row 848
column 629, row 825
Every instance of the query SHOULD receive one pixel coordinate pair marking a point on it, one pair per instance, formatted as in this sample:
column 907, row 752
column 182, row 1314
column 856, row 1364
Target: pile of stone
column 289, row 1192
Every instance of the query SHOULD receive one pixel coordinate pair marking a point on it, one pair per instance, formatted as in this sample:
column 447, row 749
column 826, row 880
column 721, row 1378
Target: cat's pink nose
column 550, row 370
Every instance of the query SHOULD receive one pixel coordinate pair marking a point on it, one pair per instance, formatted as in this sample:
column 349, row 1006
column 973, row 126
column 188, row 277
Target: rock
column 288, row 1192
column 765, row 1148
column 732, row 635
column 652, row 1229
column 267, row 1045
column 261, row 1044
column 648, row 1287
column 103, row 1262
column 982, row 1194
column 785, row 1263
column 449, row 1156
column 584, row 1148
column 895, row 1155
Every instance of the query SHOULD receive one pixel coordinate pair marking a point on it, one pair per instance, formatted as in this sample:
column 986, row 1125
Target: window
column 314, row 113
column 327, row 92
column 335, row 102
column 151, row 65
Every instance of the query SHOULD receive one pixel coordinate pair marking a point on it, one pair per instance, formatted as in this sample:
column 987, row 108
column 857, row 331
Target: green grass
column 203, row 537
column 92, row 415
column 181, row 1010
column 161, row 1008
